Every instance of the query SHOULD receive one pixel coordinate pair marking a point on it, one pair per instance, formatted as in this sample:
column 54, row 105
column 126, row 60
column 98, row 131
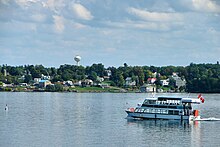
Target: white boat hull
column 159, row 116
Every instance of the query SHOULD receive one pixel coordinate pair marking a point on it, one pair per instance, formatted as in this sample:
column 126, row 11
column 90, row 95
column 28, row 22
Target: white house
column 179, row 81
column 37, row 80
column 100, row 79
column 109, row 72
column 148, row 88
column 79, row 83
column 165, row 82
column 43, row 77
column 129, row 82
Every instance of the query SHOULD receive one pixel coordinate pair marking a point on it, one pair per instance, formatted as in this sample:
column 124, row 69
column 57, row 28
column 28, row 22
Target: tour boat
column 166, row 107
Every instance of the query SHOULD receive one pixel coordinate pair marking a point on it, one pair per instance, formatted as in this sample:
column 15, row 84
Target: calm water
column 97, row 119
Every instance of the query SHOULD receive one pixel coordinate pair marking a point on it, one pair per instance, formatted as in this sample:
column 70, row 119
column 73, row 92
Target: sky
column 111, row 32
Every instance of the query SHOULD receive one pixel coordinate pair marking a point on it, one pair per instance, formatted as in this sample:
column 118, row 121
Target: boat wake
column 208, row 119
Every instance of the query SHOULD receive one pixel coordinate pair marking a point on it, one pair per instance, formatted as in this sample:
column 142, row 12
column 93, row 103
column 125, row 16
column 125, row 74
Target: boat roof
column 151, row 98
column 191, row 100
column 162, row 98
column 184, row 100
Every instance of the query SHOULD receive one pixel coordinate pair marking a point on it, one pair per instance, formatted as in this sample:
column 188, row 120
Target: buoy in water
column 6, row 107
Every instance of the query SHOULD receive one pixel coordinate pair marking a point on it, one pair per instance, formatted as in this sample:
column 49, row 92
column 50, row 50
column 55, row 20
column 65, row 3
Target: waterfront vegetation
column 198, row 77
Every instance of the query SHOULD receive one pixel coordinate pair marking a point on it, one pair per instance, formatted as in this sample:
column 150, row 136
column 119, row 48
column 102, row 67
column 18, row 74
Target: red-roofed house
column 151, row 80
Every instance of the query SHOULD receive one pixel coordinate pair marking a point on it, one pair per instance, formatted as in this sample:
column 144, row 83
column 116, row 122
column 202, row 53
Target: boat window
column 164, row 111
column 146, row 110
column 136, row 110
column 176, row 112
column 159, row 102
column 145, row 102
column 152, row 110
column 173, row 112
column 170, row 112
column 158, row 111
column 151, row 102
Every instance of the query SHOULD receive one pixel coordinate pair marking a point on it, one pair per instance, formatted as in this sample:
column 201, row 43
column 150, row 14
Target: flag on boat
column 201, row 98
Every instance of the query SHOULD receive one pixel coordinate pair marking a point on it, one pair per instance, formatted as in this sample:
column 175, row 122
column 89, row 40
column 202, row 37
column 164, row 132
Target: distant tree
column 58, row 87
column 98, row 68
column 172, row 83
column 157, row 82
column 27, row 79
column 57, row 78
column 93, row 76
column 50, row 88
column 125, row 65
column 138, row 71
column 66, row 75
column 120, row 80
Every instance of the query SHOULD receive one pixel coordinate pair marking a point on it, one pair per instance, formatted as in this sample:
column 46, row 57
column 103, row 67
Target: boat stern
column 194, row 118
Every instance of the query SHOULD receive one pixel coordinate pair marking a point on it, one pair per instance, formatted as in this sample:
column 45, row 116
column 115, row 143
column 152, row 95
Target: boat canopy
column 191, row 100
column 168, row 98
column 152, row 98
column 183, row 100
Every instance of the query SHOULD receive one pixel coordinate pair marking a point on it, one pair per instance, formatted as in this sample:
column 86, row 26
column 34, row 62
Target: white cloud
column 81, row 12
column 155, row 16
column 54, row 5
column 38, row 17
column 58, row 23
column 79, row 25
column 25, row 3
column 154, row 26
column 206, row 5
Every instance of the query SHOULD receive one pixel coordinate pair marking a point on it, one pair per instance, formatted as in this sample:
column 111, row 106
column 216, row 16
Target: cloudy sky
column 111, row 32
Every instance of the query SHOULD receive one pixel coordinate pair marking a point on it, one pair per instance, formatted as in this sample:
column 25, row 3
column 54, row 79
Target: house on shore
column 148, row 88
column 44, row 83
column 164, row 82
column 180, row 82
column 129, row 82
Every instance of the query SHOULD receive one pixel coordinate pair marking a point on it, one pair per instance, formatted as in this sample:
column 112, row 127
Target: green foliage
column 199, row 77
column 27, row 79
column 1, row 84
column 50, row 88
column 58, row 87
column 93, row 76
column 97, row 68
column 53, row 88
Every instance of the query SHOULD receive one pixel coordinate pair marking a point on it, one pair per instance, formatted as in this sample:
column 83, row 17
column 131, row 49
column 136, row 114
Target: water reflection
column 160, row 123
column 168, row 132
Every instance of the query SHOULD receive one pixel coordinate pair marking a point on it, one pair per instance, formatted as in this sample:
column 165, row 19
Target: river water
column 98, row 120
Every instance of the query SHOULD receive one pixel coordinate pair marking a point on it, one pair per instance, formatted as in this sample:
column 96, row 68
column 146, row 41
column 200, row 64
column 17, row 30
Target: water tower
column 77, row 58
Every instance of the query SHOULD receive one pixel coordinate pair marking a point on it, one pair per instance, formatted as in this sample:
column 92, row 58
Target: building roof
column 42, row 81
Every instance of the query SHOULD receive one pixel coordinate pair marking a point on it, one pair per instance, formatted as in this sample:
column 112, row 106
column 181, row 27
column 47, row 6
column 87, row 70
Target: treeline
column 199, row 77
